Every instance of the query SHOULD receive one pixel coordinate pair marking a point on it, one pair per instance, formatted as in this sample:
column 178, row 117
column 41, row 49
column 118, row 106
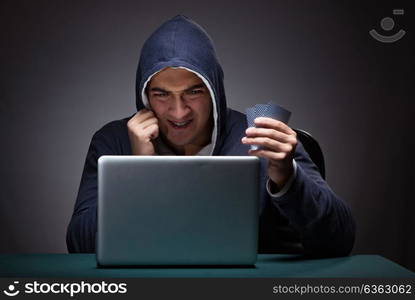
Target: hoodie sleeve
column 324, row 221
column 82, row 228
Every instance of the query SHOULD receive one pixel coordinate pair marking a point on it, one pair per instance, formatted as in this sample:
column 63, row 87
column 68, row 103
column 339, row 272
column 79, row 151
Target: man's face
column 182, row 104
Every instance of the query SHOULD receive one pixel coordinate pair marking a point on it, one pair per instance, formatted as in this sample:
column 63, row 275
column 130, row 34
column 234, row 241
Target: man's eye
column 195, row 92
column 160, row 95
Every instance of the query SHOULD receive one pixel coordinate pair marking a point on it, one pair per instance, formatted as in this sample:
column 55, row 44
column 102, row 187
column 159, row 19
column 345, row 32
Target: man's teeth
column 181, row 123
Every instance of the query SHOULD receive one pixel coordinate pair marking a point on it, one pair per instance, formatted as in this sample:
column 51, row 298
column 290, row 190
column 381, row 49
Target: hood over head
column 182, row 43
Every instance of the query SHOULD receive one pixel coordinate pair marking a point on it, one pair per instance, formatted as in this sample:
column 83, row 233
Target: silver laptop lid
column 177, row 210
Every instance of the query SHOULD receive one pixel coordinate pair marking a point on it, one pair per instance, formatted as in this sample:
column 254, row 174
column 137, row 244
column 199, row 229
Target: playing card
column 277, row 112
column 270, row 110
column 250, row 116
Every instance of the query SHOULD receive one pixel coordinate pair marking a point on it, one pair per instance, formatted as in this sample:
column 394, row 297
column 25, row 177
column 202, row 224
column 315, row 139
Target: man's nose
column 179, row 108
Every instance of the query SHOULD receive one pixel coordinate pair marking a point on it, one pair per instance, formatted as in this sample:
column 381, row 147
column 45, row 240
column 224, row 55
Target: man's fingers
column 148, row 122
column 141, row 116
column 152, row 131
column 268, row 143
column 142, row 128
column 273, row 124
column 141, row 120
column 270, row 133
column 267, row 154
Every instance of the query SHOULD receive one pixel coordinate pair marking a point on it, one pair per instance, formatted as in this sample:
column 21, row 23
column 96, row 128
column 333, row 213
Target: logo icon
column 387, row 24
column 11, row 291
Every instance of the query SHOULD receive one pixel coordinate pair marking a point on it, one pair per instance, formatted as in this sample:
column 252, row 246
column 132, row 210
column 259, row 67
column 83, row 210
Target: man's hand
column 278, row 142
column 142, row 128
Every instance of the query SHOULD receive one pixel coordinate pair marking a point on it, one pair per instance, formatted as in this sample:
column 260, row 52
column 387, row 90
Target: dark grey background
column 68, row 67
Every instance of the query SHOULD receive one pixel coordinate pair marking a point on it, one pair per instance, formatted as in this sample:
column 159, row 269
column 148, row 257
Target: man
column 181, row 110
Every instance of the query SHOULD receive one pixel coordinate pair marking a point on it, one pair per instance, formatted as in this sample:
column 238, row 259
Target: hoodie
column 308, row 218
column 173, row 45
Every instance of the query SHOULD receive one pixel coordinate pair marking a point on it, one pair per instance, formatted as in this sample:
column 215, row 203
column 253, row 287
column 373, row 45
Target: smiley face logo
column 11, row 290
column 387, row 24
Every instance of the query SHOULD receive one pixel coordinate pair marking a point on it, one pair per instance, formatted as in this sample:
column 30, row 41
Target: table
column 267, row 266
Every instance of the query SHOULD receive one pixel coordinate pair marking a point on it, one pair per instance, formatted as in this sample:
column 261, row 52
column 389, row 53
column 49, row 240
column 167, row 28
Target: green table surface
column 268, row 265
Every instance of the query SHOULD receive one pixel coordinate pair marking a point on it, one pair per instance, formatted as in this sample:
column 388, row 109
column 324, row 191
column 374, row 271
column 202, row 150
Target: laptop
column 177, row 210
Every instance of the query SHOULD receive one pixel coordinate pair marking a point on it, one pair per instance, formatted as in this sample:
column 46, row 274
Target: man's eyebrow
column 156, row 89
column 196, row 86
